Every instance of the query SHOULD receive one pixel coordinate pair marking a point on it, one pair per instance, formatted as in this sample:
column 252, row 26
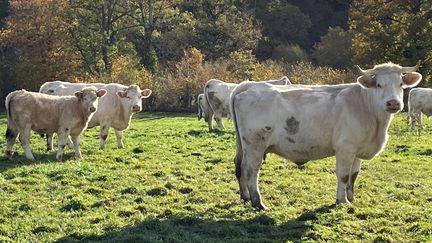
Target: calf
column 67, row 115
column 419, row 101
column 203, row 108
column 304, row 122
column 115, row 109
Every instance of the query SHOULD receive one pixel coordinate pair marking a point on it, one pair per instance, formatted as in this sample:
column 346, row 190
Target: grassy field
column 175, row 182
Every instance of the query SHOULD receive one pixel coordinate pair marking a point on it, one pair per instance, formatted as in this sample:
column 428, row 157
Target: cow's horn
column 363, row 72
column 411, row 69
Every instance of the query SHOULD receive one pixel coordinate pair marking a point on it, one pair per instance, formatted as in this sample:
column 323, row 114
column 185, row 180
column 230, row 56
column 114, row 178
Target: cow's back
column 40, row 111
column 305, row 123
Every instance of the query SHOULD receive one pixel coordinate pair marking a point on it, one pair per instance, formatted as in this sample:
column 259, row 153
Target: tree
column 335, row 49
column 35, row 44
column 97, row 28
column 397, row 31
column 4, row 11
column 283, row 24
column 222, row 27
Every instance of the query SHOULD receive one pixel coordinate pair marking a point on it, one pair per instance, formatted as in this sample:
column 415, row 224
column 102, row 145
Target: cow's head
column 385, row 84
column 132, row 96
column 89, row 97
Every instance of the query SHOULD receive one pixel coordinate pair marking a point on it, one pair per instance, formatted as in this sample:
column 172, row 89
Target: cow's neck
column 124, row 115
column 380, row 117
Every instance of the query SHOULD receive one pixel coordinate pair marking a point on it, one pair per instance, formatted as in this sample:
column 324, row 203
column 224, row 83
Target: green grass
column 175, row 181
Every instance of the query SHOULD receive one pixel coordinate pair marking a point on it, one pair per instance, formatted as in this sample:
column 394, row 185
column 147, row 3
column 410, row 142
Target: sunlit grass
column 175, row 181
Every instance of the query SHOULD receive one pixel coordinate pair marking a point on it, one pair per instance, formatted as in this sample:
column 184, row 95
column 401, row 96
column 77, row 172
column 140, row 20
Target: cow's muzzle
column 136, row 108
column 393, row 106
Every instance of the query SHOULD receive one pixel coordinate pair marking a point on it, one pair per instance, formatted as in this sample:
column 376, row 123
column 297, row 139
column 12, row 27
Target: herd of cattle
column 298, row 122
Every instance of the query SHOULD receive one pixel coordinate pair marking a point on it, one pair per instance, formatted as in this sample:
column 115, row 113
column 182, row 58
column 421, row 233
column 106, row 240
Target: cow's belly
column 120, row 125
column 304, row 150
column 427, row 111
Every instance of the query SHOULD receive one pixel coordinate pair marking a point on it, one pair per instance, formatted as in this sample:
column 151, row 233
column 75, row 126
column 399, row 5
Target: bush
column 178, row 87
column 289, row 53
column 268, row 70
column 306, row 73
column 242, row 64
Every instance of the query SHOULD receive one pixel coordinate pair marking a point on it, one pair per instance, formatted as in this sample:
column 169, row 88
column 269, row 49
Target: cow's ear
column 121, row 94
column 146, row 93
column 367, row 81
column 101, row 92
column 79, row 94
column 411, row 79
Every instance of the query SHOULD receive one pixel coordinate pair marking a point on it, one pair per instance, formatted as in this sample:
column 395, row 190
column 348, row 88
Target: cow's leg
column 210, row 120
column 241, row 168
column 76, row 143
column 355, row 170
column 119, row 136
column 24, row 138
column 419, row 119
column 70, row 143
column 11, row 135
column 344, row 162
column 218, row 119
column 49, row 141
column 62, row 141
column 251, row 172
column 103, row 134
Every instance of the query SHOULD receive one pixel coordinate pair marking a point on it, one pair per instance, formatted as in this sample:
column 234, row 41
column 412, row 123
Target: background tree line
column 175, row 46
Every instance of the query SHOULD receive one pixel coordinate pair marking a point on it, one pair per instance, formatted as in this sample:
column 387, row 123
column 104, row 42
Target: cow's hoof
column 338, row 202
column 8, row 154
column 350, row 196
column 260, row 207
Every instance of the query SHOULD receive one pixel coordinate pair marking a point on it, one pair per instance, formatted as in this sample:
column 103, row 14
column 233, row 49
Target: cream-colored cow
column 115, row 109
column 64, row 115
column 306, row 122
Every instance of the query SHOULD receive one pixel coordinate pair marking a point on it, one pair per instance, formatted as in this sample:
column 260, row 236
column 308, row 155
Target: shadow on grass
column 200, row 133
column 191, row 229
column 19, row 159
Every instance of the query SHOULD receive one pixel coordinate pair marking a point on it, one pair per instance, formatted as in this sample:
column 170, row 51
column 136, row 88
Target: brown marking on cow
column 292, row 125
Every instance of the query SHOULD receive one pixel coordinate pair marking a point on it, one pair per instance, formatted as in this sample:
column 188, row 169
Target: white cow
column 115, row 109
column 303, row 123
column 419, row 101
column 203, row 108
column 66, row 115
column 62, row 88
column 218, row 95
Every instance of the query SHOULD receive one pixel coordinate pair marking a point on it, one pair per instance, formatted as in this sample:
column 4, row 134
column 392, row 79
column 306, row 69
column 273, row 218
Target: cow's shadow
column 18, row 159
column 261, row 228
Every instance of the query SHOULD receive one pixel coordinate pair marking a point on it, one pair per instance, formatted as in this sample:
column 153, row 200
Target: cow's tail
column 11, row 127
column 239, row 148
column 200, row 108
column 206, row 95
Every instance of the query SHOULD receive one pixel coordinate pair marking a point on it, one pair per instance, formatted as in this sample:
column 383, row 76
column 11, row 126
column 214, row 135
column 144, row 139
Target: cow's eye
column 379, row 86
